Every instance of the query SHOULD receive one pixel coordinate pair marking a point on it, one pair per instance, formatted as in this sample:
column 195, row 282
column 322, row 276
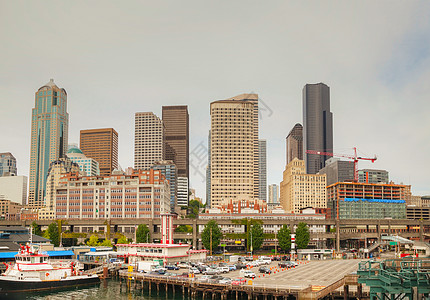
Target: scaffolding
column 396, row 279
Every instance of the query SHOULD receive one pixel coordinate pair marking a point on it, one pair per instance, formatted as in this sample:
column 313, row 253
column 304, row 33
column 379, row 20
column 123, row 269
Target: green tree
column 257, row 236
column 193, row 209
column 211, row 226
column 106, row 243
column 284, row 238
column 123, row 240
column 52, row 234
column 142, row 234
column 36, row 229
column 93, row 241
column 302, row 235
column 184, row 228
column 248, row 223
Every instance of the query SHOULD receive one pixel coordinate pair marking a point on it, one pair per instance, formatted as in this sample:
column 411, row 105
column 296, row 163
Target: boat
column 32, row 271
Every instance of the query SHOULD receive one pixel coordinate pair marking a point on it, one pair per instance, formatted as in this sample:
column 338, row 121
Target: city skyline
column 394, row 71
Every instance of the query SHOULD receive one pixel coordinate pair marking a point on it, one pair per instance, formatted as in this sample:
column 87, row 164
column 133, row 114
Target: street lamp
column 251, row 241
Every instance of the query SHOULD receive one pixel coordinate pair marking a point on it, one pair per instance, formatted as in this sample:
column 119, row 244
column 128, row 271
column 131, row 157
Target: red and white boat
column 33, row 271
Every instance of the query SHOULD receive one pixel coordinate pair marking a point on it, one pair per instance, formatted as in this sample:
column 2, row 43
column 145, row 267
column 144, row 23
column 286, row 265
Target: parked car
column 204, row 278
column 185, row 274
column 183, row 265
column 225, row 269
column 211, row 271
column 194, row 271
column 249, row 274
column 215, row 279
column 172, row 267
column 225, row 280
column 265, row 270
column 240, row 266
column 287, row 263
column 232, row 267
column 238, row 281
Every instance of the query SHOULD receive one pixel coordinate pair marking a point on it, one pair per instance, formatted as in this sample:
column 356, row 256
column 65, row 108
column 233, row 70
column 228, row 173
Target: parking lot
column 321, row 273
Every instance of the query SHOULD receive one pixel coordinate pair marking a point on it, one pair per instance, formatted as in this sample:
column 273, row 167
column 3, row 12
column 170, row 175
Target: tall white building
column 182, row 190
column 262, row 170
column 148, row 140
column 87, row 166
column 233, row 167
column 14, row 188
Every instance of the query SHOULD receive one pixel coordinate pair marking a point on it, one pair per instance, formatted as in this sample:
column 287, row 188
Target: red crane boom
column 354, row 157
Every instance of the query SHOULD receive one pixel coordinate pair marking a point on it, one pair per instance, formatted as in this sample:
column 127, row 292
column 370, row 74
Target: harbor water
column 107, row 289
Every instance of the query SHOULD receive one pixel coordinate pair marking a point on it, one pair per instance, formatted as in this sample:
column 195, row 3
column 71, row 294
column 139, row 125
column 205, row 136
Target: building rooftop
column 75, row 150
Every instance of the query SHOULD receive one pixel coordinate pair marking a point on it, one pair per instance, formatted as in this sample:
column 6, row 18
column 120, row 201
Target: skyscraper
column 232, row 159
column 7, row 164
column 169, row 170
column 317, row 125
column 148, row 140
column 338, row 170
column 208, row 173
column 262, row 170
column 254, row 99
column 295, row 143
column 101, row 145
column 87, row 166
column 49, row 137
column 176, row 137
column 273, row 193
column 373, row 176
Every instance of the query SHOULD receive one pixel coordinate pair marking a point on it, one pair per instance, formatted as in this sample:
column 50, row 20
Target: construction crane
column 354, row 157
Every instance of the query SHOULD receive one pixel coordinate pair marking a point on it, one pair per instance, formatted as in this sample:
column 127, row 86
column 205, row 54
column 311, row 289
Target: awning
column 8, row 254
column 60, row 253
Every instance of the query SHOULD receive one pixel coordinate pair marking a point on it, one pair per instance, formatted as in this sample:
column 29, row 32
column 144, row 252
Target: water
column 108, row 289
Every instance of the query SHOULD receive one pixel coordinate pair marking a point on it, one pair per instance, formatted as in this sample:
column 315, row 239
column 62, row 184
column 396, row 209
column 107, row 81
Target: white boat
column 33, row 271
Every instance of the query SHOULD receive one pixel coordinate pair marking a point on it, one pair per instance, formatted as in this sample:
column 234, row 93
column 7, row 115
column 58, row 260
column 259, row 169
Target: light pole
column 61, row 239
column 276, row 241
column 250, row 230
column 211, row 240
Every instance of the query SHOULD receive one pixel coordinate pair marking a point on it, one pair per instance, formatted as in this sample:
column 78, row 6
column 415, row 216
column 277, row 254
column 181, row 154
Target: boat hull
column 13, row 286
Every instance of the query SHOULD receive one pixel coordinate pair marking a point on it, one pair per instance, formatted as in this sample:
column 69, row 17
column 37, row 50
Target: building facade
column 57, row 169
column 273, row 193
column 10, row 210
column 354, row 200
column 145, row 194
column 169, row 170
column 253, row 98
column 7, row 164
column 102, row 146
column 148, row 140
column 240, row 205
column 338, row 170
column 317, row 125
column 373, row 176
column 14, row 188
column 182, row 191
column 294, row 143
column 87, row 165
column 232, row 160
column 176, row 137
column 300, row 190
column 208, row 173
column 49, row 137
column 262, row 170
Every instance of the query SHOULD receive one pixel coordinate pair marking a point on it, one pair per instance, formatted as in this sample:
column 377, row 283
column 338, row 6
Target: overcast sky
column 115, row 58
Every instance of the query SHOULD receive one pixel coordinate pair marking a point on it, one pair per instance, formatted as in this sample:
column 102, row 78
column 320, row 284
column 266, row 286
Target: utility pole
column 251, row 241
column 211, row 240
column 276, row 241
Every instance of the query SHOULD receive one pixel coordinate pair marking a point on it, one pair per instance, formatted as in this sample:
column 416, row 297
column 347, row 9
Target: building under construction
column 354, row 200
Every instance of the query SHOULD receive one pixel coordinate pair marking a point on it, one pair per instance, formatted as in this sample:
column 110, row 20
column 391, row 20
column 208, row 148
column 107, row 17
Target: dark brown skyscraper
column 176, row 137
column 295, row 143
column 317, row 125
column 101, row 145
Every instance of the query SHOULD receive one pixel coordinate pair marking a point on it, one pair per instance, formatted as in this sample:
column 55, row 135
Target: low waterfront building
column 164, row 253
column 354, row 200
column 144, row 194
